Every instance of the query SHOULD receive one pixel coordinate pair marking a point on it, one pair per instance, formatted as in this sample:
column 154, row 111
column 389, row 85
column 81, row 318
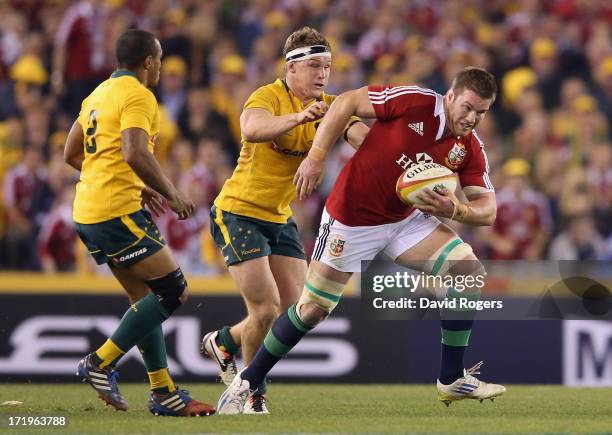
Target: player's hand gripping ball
column 424, row 176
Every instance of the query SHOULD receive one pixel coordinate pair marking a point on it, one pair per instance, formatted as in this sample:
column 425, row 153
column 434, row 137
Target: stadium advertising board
column 43, row 336
column 587, row 353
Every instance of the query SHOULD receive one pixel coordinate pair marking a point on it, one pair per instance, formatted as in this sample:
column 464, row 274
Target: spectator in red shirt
column 80, row 57
column 21, row 187
column 57, row 237
column 523, row 223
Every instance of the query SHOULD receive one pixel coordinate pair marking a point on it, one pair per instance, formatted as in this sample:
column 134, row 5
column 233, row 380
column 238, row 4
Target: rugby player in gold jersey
column 111, row 144
column 251, row 220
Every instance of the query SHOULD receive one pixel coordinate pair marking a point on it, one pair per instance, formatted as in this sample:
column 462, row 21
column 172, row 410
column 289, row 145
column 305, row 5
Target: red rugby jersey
column 408, row 130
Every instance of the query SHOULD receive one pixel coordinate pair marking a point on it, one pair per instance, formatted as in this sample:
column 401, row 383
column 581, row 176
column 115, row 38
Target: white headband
column 304, row 53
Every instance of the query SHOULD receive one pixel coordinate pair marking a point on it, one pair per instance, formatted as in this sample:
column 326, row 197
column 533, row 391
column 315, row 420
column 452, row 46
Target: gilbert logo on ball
column 424, row 176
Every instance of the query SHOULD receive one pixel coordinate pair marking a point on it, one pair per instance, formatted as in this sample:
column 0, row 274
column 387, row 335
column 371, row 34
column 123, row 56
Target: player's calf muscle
column 263, row 316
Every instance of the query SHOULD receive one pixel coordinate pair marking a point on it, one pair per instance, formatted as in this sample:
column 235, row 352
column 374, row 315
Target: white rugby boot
column 469, row 387
column 233, row 399
column 225, row 360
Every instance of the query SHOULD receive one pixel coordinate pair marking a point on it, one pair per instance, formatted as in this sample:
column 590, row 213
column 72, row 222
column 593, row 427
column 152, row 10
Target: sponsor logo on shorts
column 250, row 251
column 336, row 245
column 455, row 156
column 132, row 255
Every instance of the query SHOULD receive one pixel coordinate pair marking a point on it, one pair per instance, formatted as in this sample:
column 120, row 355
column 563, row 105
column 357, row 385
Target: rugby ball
column 424, row 176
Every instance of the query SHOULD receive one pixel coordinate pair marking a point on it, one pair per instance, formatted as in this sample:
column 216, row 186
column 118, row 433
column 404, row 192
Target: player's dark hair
column 133, row 47
column 304, row 37
column 478, row 80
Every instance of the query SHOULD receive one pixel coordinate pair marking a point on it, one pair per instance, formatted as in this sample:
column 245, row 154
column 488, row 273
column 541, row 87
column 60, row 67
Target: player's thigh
column 328, row 272
column 131, row 242
column 240, row 238
column 285, row 240
column 288, row 261
column 343, row 248
column 134, row 287
column 424, row 249
column 158, row 265
column 290, row 275
column 256, row 283
column 437, row 249
column 245, row 243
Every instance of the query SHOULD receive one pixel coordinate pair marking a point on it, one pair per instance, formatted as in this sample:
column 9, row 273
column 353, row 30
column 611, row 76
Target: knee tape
column 457, row 258
column 169, row 289
column 320, row 291
column 440, row 262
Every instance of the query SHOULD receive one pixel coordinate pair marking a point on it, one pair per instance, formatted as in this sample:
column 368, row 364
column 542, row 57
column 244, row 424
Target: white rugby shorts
column 344, row 248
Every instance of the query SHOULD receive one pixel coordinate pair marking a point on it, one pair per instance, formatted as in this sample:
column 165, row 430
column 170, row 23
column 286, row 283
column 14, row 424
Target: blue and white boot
column 104, row 381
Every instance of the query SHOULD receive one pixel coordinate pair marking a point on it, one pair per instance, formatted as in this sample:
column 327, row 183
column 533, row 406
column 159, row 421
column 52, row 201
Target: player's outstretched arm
column 136, row 154
column 355, row 102
column 259, row 125
column 73, row 150
column 349, row 103
column 356, row 133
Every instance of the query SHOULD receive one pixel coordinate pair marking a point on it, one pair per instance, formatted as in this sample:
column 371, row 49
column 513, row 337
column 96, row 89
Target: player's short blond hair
column 304, row 37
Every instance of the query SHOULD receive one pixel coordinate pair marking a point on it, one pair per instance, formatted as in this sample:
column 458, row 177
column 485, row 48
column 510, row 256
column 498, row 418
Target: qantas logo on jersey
column 405, row 162
column 455, row 156
column 288, row 151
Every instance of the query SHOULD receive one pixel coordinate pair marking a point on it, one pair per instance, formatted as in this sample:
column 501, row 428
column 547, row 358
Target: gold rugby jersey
column 262, row 183
column 108, row 187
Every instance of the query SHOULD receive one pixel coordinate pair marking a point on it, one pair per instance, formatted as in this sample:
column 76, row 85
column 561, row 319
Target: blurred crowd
column 547, row 137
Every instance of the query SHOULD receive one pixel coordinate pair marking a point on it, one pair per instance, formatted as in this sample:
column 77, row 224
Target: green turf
column 327, row 408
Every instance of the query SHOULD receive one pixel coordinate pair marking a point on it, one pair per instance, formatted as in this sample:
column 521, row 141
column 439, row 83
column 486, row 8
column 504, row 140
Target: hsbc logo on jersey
column 423, row 158
column 405, row 162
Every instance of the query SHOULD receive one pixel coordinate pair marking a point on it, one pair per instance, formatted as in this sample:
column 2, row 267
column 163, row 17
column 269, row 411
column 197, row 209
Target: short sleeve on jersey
column 476, row 169
column 263, row 98
column 391, row 102
column 138, row 110
column 82, row 118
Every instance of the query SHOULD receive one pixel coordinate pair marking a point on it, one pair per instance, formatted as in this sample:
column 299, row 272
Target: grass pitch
column 324, row 408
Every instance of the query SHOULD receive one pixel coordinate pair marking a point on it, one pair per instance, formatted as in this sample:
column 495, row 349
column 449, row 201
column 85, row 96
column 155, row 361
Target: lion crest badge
column 336, row 245
column 456, row 155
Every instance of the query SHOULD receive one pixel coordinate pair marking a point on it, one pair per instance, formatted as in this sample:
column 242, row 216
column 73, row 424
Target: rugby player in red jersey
column 364, row 216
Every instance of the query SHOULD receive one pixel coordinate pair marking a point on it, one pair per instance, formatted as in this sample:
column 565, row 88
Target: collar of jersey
column 123, row 72
column 292, row 95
